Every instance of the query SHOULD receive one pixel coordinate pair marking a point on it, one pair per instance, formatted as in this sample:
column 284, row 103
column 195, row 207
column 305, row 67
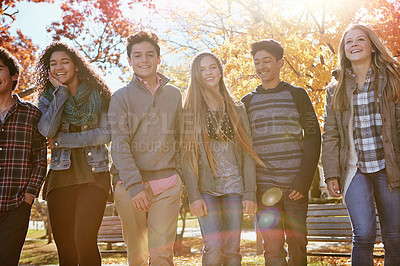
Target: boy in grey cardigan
column 143, row 116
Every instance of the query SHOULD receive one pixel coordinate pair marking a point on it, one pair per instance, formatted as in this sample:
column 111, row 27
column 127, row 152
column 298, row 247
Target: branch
column 26, row 92
column 320, row 29
column 10, row 15
column 294, row 70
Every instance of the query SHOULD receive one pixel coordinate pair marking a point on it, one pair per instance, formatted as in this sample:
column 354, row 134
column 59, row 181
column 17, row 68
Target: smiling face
column 267, row 68
column 144, row 60
column 209, row 69
column 6, row 79
column 357, row 46
column 63, row 68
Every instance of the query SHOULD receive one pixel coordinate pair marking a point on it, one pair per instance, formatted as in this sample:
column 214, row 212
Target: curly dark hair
column 85, row 71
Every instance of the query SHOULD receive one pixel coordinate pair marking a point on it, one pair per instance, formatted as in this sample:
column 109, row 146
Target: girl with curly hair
column 361, row 142
column 74, row 102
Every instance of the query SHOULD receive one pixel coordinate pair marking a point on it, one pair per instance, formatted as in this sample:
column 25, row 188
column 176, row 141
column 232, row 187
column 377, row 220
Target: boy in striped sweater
column 287, row 137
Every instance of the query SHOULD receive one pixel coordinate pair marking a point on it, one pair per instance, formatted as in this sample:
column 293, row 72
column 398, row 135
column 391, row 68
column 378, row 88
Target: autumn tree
column 384, row 18
column 20, row 45
column 98, row 28
column 309, row 31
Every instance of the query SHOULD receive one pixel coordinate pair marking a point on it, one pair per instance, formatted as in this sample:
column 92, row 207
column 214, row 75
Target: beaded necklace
column 216, row 125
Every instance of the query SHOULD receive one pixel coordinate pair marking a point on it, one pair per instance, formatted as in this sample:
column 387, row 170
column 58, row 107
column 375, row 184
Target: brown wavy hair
column 381, row 58
column 85, row 72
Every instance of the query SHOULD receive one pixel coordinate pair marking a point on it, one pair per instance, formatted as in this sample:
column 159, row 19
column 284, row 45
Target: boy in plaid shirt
column 22, row 161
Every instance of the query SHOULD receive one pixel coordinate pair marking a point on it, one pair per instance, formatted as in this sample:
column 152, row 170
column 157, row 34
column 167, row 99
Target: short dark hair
column 269, row 45
column 142, row 36
column 11, row 62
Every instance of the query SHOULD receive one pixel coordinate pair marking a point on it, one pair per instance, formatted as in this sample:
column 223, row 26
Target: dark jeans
column 13, row 229
column 364, row 191
column 288, row 218
column 75, row 214
column 221, row 228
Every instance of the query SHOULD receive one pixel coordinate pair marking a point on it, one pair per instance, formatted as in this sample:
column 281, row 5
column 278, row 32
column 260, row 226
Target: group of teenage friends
column 227, row 154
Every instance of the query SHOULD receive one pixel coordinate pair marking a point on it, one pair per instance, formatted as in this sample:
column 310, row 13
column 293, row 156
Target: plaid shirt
column 22, row 154
column 368, row 127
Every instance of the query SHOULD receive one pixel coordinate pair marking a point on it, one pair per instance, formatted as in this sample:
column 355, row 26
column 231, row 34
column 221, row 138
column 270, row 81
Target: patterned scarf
column 81, row 109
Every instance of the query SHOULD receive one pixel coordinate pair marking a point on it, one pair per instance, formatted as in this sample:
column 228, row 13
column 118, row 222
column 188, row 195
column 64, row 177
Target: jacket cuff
column 62, row 90
column 194, row 195
column 33, row 190
column 331, row 178
column 135, row 189
column 249, row 195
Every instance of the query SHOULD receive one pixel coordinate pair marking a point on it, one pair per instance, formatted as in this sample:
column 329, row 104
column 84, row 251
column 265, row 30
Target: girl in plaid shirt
column 361, row 142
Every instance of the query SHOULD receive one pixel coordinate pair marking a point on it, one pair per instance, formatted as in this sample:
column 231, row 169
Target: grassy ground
column 36, row 251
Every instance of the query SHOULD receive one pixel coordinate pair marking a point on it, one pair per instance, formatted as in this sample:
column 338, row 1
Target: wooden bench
column 110, row 232
column 328, row 223
column 331, row 223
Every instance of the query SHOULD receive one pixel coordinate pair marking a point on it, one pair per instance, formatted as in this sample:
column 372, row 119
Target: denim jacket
column 93, row 137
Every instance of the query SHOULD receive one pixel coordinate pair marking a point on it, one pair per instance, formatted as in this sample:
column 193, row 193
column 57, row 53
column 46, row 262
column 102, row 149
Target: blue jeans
column 13, row 229
column 364, row 191
column 290, row 221
column 221, row 228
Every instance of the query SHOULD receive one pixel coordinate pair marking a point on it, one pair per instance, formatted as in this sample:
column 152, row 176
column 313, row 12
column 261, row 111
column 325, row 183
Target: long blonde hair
column 381, row 58
column 194, row 113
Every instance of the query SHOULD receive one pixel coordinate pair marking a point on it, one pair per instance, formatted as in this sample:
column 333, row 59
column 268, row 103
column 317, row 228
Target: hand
column 249, row 207
column 50, row 143
column 29, row 198
column 295, row 195
column 54, row 81
column 333, row 187
column 198, row 208
column 142, row 201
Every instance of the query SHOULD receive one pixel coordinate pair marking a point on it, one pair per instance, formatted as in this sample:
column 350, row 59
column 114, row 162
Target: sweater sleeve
column 190, row 179
column 246, row 100
column 249, row 167
column 312, row 141
column 120, row 146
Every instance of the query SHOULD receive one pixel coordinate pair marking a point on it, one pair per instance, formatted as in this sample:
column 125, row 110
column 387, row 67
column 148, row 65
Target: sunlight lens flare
column 267, row 219
column 271, row 196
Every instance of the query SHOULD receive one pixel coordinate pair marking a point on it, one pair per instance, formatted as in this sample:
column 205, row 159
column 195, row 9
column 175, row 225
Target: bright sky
column 33, row 18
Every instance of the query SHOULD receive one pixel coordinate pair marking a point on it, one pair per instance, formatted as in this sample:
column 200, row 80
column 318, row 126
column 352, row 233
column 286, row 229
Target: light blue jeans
column 221, row 228
column 364, row 192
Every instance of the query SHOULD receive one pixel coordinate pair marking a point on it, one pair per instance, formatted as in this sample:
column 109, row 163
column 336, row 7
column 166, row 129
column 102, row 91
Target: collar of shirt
column 12, row 108
column 147, row 85
column 368, row 79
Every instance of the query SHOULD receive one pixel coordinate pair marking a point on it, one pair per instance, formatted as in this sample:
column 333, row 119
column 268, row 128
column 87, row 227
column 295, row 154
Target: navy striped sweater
column 286, row 136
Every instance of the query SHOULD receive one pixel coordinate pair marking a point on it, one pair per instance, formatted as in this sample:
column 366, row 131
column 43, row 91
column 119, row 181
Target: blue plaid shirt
column 368, row 127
